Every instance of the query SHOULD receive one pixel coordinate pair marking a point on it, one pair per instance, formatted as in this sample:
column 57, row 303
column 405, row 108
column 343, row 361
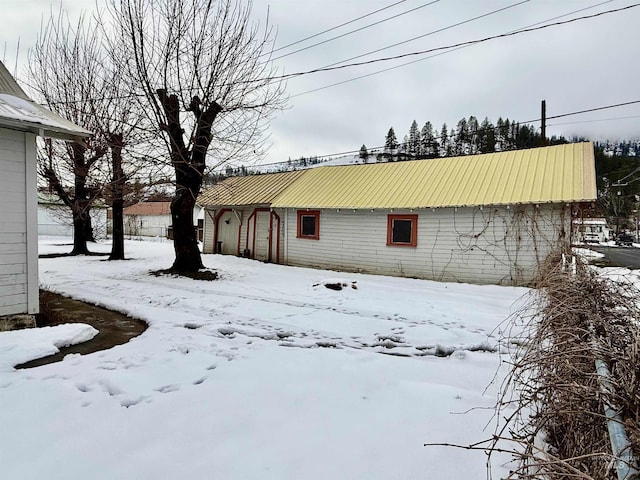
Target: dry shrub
column 556, row 416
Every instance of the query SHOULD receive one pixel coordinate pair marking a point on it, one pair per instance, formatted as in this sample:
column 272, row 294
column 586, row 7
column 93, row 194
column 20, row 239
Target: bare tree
column 77, row 77
column 62, row 66
column 208, row 60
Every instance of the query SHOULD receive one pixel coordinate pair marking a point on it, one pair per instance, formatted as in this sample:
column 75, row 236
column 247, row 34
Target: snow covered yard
column 262, row 374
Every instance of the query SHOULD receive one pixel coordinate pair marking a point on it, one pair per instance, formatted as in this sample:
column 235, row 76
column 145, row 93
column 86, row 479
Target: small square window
column 309, row 224
column 402, row 230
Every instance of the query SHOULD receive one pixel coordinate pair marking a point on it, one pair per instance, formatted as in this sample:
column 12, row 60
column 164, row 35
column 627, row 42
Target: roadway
column 619, row 256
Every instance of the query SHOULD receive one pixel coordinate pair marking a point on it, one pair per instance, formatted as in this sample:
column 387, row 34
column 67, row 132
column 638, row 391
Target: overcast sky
column 582, row 65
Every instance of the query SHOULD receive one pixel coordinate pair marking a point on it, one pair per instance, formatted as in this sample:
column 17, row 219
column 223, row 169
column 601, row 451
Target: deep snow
column 262, row 374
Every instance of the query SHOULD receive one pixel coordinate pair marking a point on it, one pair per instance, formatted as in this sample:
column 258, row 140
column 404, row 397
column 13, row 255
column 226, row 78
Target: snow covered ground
column 262, row 374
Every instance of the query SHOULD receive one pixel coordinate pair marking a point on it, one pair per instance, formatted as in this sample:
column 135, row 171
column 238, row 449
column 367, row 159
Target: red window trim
column 308, row 213
column 414, row 230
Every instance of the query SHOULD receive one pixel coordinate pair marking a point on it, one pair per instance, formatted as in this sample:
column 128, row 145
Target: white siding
column 56, row 220
column 491, row 245
column 249, row 222
column 147, row 225
column 209, row 229
column 18, row 224
column 207, row 239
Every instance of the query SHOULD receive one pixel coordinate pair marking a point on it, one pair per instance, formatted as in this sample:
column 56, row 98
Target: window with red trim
column 309, row 224
column 402, row 230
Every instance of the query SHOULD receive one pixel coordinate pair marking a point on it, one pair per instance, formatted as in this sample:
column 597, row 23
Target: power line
column 430, row 33
column 594, row 120
column 594, row 109
column 437, row 54
column 358, row 29
column 335, row 28
column 436, row 49
column 395, row 57
column 479, row 130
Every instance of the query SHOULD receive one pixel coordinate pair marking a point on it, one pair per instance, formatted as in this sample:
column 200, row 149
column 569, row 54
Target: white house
column 21, row 120
column 489, row 218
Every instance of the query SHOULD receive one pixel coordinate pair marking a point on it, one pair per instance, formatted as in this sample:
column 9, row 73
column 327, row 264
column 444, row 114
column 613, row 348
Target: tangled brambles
column 556, row 417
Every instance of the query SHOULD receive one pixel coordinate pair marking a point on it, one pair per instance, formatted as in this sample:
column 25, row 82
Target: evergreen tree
column 428, row 143
column 460, row 138
column 487, row 136
column 404, row 148
column 363, row 152
column 390, row 142
column 413, row 142
column 451, row 147
column 444, row 141
column 474, row 140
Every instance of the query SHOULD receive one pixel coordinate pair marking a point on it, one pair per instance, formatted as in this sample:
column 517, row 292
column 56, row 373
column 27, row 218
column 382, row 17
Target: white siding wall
column 57, row 220
column 18, row 224
column 246, row 229
column 147, row 225
column 209, row 228
column 490, row 245
column 207, row 239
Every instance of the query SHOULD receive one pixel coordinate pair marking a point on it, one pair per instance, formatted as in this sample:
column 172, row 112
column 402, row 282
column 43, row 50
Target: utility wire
column 480, row 130
column 593, row 121
column 357, row 30
column 430, row 33
column 436, row 49
column 334, row 28
column 395, row 57
column 438, row 54
column 595, row 109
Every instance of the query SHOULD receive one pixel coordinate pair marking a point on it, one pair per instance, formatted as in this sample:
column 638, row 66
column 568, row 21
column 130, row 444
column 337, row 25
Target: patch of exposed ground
column 115, row 328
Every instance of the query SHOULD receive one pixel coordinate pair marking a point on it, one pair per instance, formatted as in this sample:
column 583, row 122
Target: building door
column 228, row 228
column 262, row 235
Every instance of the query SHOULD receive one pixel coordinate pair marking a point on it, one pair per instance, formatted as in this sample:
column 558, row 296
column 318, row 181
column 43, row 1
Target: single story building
column 147, row 219
column 153, row 219
column 21, row 120
column 490, row 218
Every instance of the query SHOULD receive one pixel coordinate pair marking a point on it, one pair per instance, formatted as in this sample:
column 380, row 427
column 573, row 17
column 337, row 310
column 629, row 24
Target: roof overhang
column 24, row 115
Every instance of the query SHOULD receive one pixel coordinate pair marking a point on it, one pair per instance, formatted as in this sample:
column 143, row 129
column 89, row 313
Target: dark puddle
column 114, row 328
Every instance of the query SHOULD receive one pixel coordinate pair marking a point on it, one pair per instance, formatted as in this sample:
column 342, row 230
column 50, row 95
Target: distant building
column 147, row 219
column 591, row 230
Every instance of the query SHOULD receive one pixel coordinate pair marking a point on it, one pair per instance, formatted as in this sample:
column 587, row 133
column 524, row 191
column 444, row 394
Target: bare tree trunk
column 189, row 168
column 185, row 242
column 117, row 243
column 82, row 230
column 81, row 204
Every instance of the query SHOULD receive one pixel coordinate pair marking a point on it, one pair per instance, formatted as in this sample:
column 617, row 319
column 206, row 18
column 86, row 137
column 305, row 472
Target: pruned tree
column 206, row 81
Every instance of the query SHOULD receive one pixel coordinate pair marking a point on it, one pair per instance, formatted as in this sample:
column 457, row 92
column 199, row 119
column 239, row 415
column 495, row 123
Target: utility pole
column 617, row 210
column 543, row 121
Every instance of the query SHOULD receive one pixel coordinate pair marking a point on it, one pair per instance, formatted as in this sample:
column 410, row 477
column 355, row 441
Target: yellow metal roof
column 248, row 190
column 562, row 173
